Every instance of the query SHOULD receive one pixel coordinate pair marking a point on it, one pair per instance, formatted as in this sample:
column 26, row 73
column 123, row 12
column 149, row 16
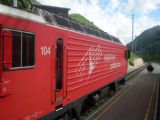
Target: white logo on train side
column 109, row 57
column 94, row 56
column 91, row 57
column 115, row 65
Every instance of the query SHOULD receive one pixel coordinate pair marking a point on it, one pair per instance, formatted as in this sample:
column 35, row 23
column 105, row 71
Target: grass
column 80, row 19
column 152, row 58
column 133, row 56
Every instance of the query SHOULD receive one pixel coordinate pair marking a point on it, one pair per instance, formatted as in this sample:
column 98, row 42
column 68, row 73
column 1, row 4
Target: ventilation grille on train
column 64, row 21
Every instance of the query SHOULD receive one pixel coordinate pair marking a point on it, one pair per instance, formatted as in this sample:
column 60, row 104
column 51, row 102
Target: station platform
column 136, row 101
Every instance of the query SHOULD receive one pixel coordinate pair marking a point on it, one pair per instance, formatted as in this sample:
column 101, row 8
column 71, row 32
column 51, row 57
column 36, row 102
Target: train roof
column 56, row 16
column 53, row 9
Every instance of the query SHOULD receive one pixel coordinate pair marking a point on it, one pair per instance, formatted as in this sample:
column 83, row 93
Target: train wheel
column 66, row 116
column 123, row 82
column 113, row 87
column 88, row 104
column 69, row 115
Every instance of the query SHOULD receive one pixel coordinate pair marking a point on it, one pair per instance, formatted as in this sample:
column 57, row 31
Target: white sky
column 114, row 16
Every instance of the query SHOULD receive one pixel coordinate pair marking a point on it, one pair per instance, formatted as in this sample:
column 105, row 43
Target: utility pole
column 132, row 32
column 14, row 3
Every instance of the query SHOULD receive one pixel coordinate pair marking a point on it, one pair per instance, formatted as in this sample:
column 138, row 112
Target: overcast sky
column 115, row 16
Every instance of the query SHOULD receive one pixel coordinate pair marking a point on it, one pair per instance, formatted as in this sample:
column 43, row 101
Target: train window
column 16, row 49
column 28, row 50
column 23, row 49
column 59, row 64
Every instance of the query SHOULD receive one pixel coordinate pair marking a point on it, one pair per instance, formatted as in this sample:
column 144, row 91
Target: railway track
column 108, row 99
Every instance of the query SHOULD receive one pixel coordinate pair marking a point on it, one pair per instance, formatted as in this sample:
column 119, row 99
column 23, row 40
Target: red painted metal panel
column 31, row 96
column 89, row 63
column 7, row 44
column 0, row 52
column 5, row 86
column 86, row 58
column 92, row 64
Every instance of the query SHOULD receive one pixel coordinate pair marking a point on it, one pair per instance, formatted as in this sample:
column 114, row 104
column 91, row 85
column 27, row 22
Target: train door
column 5, row 60
column 60, row 71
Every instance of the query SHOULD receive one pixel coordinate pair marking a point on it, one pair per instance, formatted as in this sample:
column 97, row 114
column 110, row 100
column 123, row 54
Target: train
column 51, row 65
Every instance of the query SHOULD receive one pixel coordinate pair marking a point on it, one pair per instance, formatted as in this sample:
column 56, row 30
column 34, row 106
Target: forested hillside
column 147, row 44
column 22, row 4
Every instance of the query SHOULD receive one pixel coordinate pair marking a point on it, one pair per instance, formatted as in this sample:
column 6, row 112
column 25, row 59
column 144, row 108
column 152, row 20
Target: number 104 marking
column 45, row 50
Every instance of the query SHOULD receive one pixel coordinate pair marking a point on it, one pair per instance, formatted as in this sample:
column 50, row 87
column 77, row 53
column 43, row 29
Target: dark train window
column 22, row 53
column 59, row 64
column 16, row 49
column 27, row 49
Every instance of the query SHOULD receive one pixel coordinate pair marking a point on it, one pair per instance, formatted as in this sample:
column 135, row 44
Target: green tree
column 22, row 4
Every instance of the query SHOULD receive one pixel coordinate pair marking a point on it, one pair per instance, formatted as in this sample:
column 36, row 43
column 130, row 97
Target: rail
column 131, row 74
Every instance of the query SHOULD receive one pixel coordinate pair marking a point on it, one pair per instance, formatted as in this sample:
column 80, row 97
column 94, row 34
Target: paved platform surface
column 137, row 101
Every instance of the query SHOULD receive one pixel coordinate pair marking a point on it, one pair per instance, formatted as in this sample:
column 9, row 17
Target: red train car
column 47, row 70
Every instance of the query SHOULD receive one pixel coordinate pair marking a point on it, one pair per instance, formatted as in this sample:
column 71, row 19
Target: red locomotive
column 49, row 64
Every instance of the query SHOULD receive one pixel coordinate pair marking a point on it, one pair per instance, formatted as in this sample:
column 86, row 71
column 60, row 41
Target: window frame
column 21, row 32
